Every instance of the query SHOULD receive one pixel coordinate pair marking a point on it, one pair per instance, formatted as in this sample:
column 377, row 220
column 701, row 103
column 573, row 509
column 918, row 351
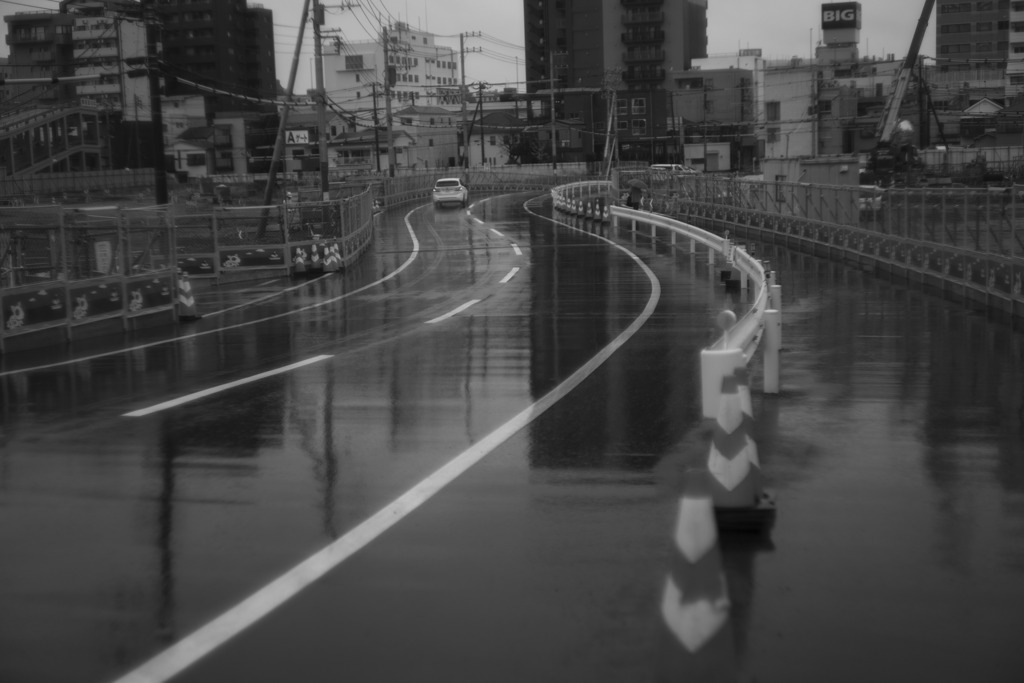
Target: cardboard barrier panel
column 95, row 300
column 34, row 308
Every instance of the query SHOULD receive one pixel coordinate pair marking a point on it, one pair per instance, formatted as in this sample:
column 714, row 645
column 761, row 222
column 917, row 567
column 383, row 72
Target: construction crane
column 894, row 151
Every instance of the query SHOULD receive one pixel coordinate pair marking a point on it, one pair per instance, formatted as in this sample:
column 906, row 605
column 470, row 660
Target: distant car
column 870, row 198
column 450, row 191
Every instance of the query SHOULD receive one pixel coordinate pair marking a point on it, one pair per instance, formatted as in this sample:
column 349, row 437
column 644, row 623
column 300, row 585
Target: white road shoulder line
column 497, row 232
column 511, row 274
column 458, row 310
column 516, row 249
column 142, row 412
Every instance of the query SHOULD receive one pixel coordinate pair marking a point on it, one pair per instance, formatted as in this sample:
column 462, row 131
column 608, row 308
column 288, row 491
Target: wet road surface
column 895, row 451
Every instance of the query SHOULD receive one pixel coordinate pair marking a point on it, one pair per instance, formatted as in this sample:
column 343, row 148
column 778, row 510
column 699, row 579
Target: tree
column 522, row 149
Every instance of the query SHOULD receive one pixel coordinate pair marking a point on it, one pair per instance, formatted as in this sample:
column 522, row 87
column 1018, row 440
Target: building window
column 195, row 160
column 773, row 110
column 638, row 106
column 620, row 107
column 623, row 124
column 984, row 6
column 983, row 26
column 639, row 126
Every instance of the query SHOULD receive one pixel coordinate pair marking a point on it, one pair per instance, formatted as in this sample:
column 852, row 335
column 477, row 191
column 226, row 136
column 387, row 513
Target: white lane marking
column 458, row 310
column 516, row 249
column 497, row 232
column 412, row 257
column 208, row 638
column 142, row 412
column 511, row 274
column 477, row 221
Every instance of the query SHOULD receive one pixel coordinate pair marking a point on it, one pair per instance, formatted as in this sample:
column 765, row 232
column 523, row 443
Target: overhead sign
column 840, row 15
column 296, row 137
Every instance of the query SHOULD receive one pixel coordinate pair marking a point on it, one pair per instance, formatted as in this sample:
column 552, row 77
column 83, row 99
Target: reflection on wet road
column 895, row 451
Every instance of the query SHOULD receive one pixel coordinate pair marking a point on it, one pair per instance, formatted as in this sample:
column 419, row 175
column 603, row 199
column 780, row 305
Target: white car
column 450, row 191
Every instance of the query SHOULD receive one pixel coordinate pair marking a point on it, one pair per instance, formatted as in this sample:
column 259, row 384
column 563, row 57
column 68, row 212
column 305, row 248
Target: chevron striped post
column 695, row 600
column 737, row 486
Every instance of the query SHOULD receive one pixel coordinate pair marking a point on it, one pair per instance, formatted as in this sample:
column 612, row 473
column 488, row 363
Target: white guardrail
column 740, row 337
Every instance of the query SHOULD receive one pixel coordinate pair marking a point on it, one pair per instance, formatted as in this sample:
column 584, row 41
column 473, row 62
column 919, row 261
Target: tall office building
column 973, row 33
column 41, row 47
column 982, row 36
column 222, row 44
column 637, row 47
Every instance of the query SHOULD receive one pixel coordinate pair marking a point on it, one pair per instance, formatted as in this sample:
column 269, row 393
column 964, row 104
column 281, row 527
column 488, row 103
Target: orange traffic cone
column 186, row 301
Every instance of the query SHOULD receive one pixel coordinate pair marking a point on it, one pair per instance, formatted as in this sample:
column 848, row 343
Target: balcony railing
column 646, row 37
column 649, row 74
column 642, row 56
column 631, row 18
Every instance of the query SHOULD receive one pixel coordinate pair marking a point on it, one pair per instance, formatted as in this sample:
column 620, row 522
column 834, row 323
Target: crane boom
column 891, row 112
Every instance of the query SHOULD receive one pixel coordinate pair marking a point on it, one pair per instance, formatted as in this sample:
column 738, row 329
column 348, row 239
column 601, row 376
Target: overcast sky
column 781, row 28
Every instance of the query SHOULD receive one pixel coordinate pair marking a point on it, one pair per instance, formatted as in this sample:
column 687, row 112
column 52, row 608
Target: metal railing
column 740, row 338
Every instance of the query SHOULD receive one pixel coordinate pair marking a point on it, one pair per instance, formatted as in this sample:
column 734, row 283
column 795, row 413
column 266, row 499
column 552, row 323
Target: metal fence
column 71, row 268
column 968, row 241
column 62, row 267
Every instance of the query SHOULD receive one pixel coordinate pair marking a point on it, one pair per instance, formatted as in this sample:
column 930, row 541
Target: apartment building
column 582, row 48
column 422, row 73
column 221, row 44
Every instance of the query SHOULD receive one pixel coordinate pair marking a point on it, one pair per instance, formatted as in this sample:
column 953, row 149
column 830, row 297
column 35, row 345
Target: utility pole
column 389, row 73
column 153, row 50
column 465, row 95
column 275, row 159
column 704, row 123
column 462, row 89
column 554, row 145
column 321, row 98
column 376, row 129
column 480, row 106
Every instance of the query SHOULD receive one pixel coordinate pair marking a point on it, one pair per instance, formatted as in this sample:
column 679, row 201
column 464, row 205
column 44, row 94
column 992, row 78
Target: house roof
column 424, row 110
column 983, row 106
column 202, row 133
column 366, row 137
